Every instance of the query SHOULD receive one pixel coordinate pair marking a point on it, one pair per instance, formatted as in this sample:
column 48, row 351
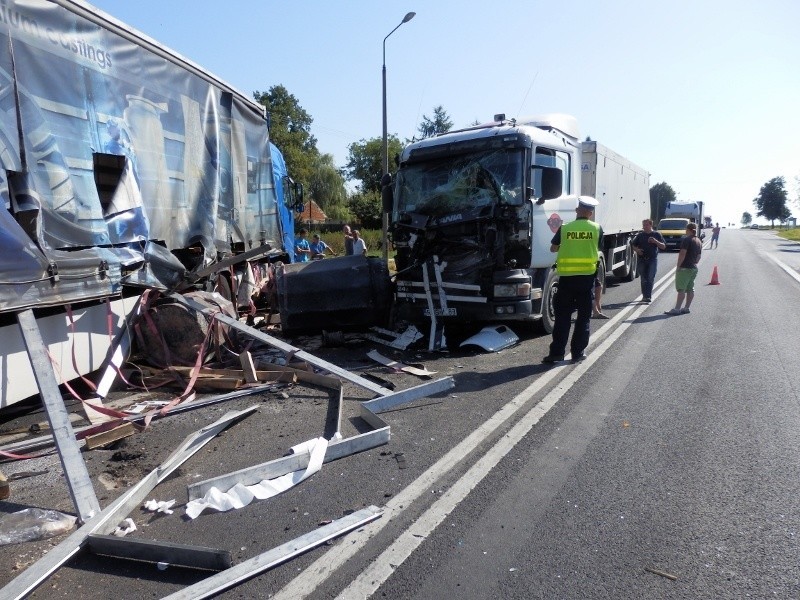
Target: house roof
column 312, row 212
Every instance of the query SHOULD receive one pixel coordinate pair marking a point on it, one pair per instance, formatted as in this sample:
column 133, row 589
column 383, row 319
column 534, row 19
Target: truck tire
column 624, row 272
column 633, row 272
column 601, row 273
column 548, row 292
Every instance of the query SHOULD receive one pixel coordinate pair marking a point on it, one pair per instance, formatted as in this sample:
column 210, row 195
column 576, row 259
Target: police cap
column 587, row 202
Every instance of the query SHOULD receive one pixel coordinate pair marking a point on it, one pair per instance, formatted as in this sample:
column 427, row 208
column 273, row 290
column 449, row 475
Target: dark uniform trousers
column 574, row 292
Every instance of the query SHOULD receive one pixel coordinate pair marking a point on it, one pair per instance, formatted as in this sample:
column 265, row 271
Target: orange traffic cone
column 714, row 277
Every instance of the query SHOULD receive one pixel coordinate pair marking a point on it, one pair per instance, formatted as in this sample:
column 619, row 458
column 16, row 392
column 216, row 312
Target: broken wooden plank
column 281, row 345
column 106, row 437
column 106, row 521
column 45, row 441
column 78, row 481
column 270, row 375
column 174, row 555
column 225, row 580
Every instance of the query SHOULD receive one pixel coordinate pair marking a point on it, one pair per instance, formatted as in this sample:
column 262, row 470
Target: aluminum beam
column 289, row 464
column 108, row 519
column 75, row 472
column 248, row 569
column 175, row 555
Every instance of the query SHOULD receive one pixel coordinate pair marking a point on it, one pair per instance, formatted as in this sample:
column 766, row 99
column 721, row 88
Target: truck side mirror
column 387, row 194
column 552, row 182
column 299, row 197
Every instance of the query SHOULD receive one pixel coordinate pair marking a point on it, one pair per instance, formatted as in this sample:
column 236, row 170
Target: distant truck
column 677, row 216
column 473, row 213
column 694, row 211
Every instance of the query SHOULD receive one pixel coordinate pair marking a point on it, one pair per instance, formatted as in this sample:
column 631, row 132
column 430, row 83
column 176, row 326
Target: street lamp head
column 408, row 17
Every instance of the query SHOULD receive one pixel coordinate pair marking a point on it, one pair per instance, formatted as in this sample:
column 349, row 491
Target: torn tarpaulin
column 242, row 495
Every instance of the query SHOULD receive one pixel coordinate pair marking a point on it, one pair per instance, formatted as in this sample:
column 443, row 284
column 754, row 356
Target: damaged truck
column 123, row 167
column 473, row 213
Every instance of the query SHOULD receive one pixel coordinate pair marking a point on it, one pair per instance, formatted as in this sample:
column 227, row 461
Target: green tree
column 326, row 187
column 747, row 218
column 785, row 215
column 366, row 206
column 290, row 131
column 365, row 162
column 440, row 123
column 660, row 195
column 771, row 201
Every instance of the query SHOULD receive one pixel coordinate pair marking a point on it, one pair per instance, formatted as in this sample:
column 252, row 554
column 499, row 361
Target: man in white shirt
column 359, row 246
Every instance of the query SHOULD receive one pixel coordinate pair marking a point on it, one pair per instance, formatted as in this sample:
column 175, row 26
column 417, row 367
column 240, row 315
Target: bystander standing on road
column 688, row 257
column 302, row 249
column 646, row 244
column 577, row 244
column 715, row 236
column 359, row 245
column 348, row 240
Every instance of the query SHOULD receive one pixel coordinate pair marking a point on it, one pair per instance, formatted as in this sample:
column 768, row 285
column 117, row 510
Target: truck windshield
column 442, row 186
column 672, row 224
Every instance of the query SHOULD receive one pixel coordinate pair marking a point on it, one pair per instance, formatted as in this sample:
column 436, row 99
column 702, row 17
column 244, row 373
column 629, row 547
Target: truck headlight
column 512, row 290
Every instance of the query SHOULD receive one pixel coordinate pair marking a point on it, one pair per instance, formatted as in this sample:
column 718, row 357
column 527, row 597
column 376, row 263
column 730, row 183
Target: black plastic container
column 348, row 292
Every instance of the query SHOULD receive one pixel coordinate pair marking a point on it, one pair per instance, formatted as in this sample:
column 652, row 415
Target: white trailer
column 623, row 190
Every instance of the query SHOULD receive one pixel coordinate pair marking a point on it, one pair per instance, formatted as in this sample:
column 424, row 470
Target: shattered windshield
column 443, row 186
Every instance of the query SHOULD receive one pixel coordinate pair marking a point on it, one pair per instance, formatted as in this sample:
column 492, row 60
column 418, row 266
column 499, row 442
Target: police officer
column 577, row 244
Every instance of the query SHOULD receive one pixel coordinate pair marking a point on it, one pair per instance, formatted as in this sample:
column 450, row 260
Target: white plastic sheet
column 242, row 495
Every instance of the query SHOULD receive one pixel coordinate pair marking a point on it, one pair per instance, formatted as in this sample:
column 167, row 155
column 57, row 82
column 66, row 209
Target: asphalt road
column 672, row 449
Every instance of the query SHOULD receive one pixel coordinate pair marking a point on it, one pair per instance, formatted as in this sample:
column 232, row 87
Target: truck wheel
column 601, row 273
column 624, row 271
column 548, row 293
column 633, row 273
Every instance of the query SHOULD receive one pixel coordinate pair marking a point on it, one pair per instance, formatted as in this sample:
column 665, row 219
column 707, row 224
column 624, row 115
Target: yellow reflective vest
column 577, row 253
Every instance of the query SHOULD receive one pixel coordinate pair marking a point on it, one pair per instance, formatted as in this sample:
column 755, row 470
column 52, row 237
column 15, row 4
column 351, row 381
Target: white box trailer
column 623, row 190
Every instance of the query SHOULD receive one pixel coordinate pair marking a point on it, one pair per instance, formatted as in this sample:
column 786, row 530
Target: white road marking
column 792, row 272
column 385, row 564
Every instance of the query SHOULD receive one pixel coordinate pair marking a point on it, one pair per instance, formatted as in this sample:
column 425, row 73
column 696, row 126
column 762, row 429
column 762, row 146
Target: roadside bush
column 374, row 240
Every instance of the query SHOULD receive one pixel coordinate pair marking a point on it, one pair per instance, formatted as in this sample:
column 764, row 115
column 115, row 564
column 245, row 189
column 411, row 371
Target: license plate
column 447, row 312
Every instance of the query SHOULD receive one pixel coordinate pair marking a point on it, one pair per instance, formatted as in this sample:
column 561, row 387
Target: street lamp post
column 385, row 157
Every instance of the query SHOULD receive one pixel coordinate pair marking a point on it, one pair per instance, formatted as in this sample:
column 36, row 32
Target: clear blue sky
column 704, row 94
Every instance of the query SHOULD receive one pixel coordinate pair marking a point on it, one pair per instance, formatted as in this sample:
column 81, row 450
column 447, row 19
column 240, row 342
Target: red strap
column 14, row 456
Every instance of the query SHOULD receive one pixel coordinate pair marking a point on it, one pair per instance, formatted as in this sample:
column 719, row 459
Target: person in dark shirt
column 688, row 257
column 348, row 240
column 646, row 244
